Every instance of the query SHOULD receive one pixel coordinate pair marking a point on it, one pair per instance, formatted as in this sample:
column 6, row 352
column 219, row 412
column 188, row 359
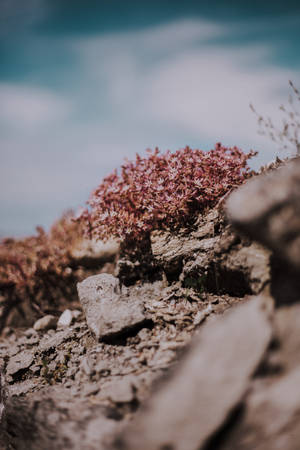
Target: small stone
column 71, row 372
column 109, row 312
column 87, row 366
column 30, row 332
column 76, row 313
column 45, row 323
column 201, row 315
column 90, row 389
column 119, row 390
column 21, row 361
column 65, row 319
column 7, row 331
column 2, row 394
column 35, row 369
column 49, row 342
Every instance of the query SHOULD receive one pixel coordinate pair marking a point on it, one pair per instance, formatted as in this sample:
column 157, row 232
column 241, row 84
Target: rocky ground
column 169, row 364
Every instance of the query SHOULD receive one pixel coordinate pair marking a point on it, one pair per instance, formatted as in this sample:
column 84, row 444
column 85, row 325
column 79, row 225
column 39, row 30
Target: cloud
column 158, row 39
column 198, row 87
column 207, row 92
column 169, row 86
column 29, row 107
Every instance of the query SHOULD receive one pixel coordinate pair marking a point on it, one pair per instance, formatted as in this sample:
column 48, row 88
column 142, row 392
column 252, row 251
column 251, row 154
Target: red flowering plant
column 37, row 273
column 162, row 191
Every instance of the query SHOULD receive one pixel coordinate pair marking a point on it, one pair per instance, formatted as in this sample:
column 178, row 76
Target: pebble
column 65, row 319
column 45, row 323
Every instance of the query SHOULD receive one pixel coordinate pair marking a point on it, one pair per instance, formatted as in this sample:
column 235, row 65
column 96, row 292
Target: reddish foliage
column 37, row 269
column 163, row 190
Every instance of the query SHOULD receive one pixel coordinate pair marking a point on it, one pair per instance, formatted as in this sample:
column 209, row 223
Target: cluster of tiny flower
column 162, row 190
column 39, row 268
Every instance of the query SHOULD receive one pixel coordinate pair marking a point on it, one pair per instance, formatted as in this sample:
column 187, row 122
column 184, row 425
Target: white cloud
column 207, row 93
column 159, row 38
column 163, row 86
column 29, row 107
column 200, row 90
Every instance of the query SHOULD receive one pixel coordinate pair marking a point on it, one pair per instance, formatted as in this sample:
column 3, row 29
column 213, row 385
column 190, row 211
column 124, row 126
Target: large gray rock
column 271, row 412
column 46, row 421
column 271, row 420
column 207, row 385
column 253, row 261
column 170, row 248
column 287, row 328
column 109, row 311
column 267, row 207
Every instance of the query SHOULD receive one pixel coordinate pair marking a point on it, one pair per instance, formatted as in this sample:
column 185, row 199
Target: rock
column 108, row 311
column 90, row 253
column 271, row 419
column 56, row 425
column 19, row 362
column 30, row 332
column 169, row 249
column 65, row 319
column 120, row 390
column 287, row 326
column 254, row 262
column 201, row 315
column 2, row 394
column 240, row 271
column 45, row 323
column 267, row 207
column 87, row 366
column 47, row 343
column 22, row 388
column 208, row 384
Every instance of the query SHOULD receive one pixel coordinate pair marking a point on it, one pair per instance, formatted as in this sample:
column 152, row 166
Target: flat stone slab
column 21, row 361
column 109, row 311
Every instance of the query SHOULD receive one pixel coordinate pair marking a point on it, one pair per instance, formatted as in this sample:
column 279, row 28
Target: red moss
column 37, row 270
column 162, row 190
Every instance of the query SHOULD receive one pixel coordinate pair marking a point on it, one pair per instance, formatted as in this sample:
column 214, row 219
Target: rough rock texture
column 207, row 385
column 270, row 415
column 18, row 363
column 187, row 376
column 272, row 215
column 90, row 253
column 108, row 311
column 213, row 257
column 2, row 394
column 55, row 425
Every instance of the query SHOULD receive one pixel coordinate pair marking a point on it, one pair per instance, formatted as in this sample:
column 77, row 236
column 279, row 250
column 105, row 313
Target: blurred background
column 84, row 84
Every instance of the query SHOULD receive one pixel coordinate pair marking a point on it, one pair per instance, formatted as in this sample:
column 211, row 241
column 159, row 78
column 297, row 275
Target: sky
column 85, row 84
